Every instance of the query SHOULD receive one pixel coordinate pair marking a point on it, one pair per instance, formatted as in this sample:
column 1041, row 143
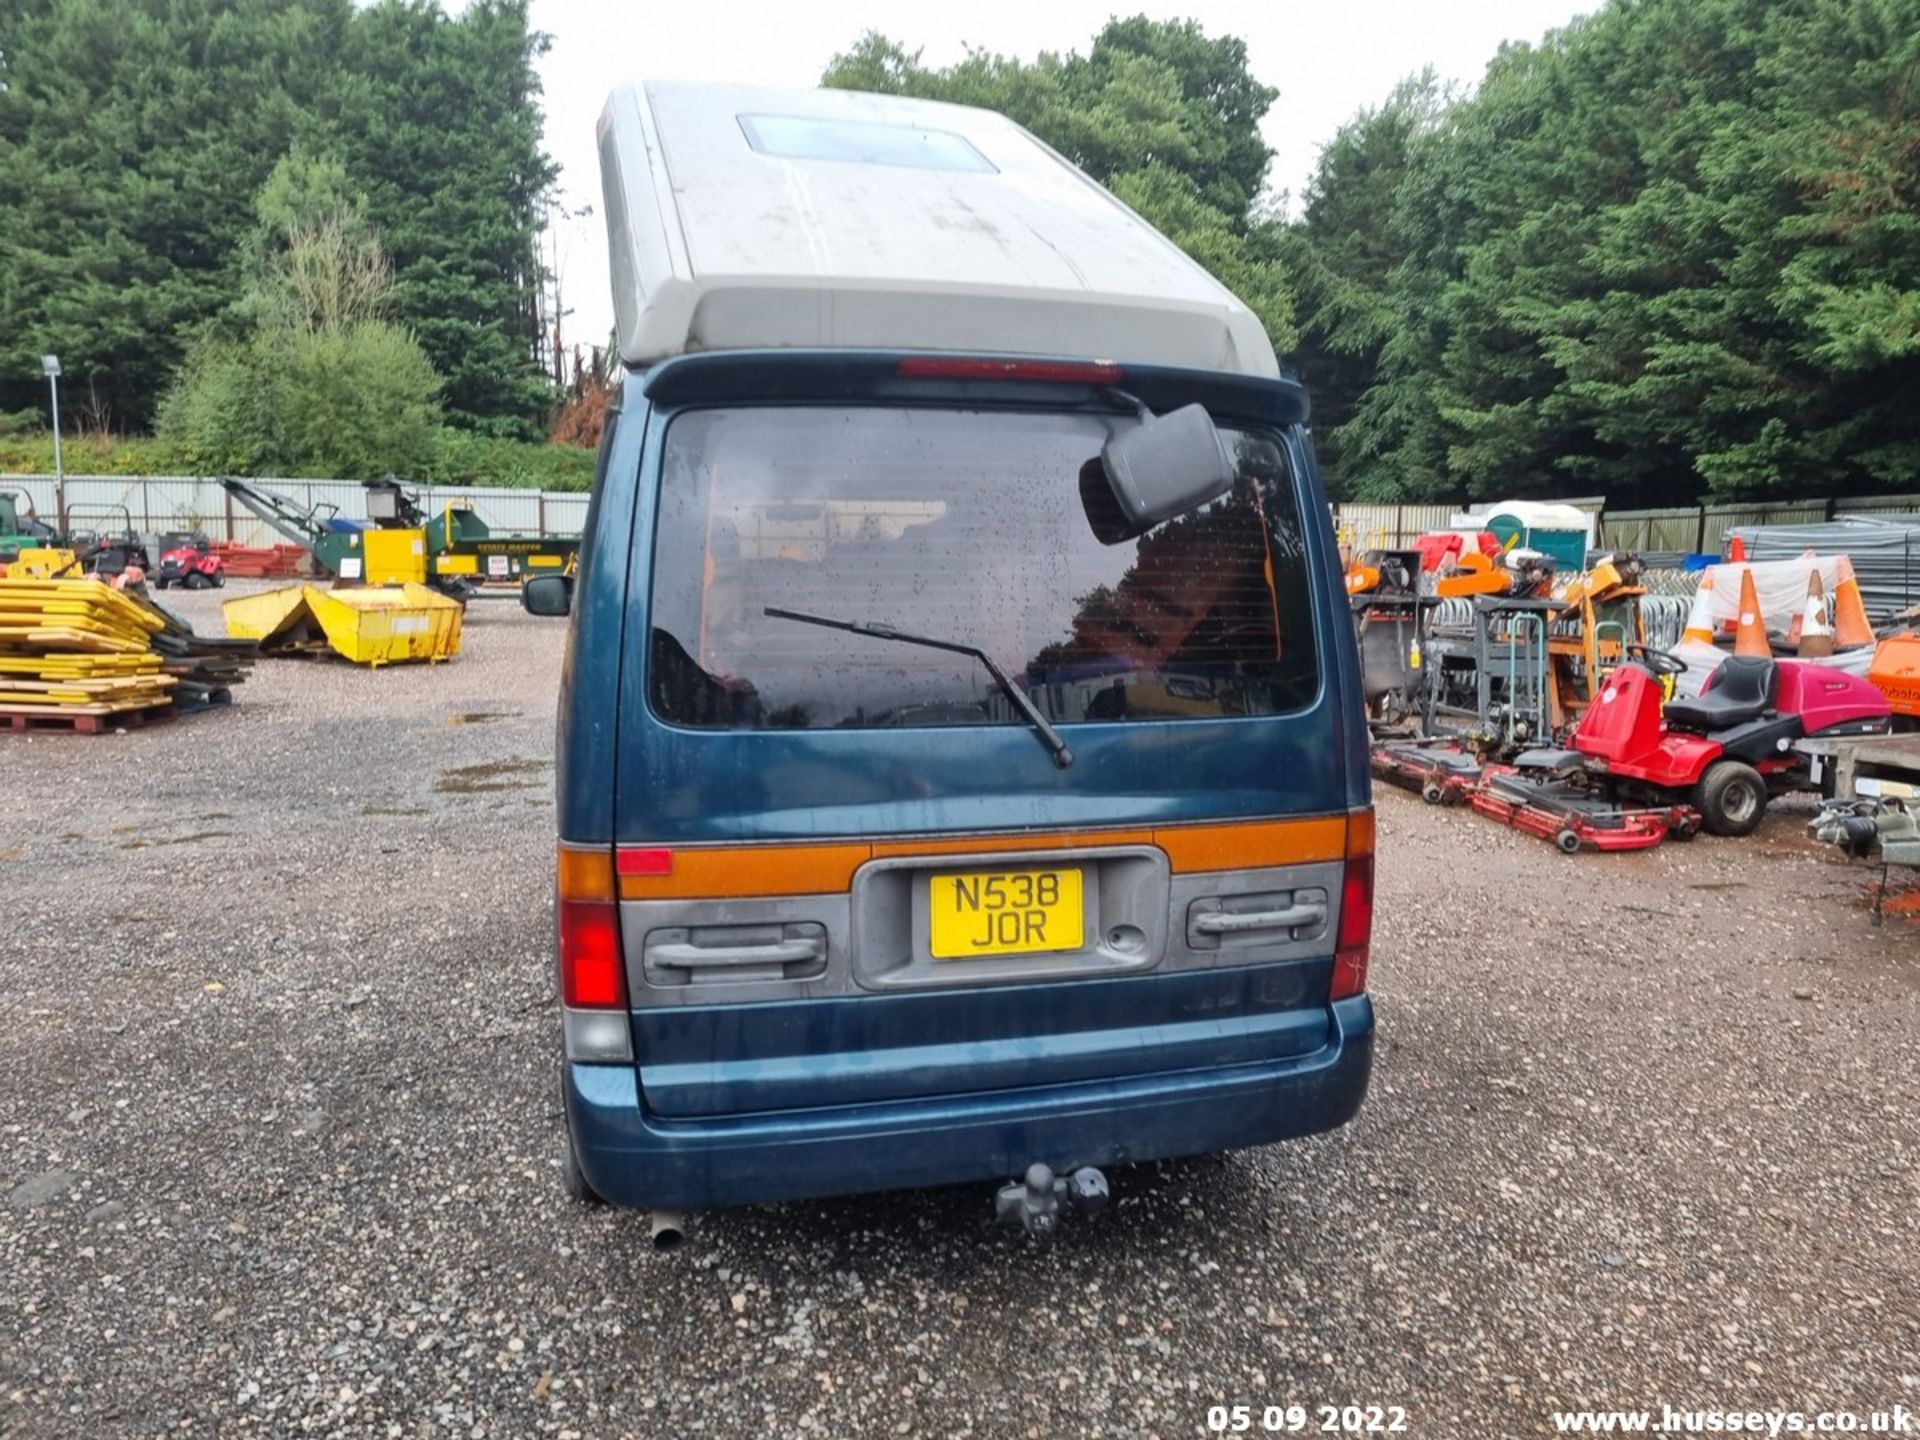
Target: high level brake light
column 593, row 984
column 975, row 367
column 1354, row 939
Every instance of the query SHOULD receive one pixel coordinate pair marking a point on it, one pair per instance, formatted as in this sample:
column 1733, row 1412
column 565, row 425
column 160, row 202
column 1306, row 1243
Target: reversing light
column 1354, row 939
column 973, row 367
column 593, row 982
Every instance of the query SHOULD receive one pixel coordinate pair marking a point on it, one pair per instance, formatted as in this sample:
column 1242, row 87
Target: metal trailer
column 1865, row 767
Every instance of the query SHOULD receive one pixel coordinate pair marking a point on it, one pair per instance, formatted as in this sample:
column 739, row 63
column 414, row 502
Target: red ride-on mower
column 189, row 562
column 1725, row 753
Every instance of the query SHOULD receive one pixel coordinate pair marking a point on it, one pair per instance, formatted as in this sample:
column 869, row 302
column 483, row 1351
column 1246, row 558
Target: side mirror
column 547, row 594
column 1165, row 466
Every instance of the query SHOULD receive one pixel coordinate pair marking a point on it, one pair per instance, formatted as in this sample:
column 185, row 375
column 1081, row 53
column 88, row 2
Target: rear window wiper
column 1050, row 737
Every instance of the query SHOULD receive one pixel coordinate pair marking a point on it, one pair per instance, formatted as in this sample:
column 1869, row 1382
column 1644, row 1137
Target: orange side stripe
column 716, row 872
column 722, row 872
column 1252, row 844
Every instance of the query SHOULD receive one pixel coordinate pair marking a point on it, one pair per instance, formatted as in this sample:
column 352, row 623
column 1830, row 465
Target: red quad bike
column 1727, row 752
column 187, row 561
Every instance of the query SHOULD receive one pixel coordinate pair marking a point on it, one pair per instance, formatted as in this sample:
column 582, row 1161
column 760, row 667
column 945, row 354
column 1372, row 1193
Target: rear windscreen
column 967, row 528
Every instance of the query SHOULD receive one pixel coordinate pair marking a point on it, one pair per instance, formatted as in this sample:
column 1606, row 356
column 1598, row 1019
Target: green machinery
column 19, row 529
column 400, row 543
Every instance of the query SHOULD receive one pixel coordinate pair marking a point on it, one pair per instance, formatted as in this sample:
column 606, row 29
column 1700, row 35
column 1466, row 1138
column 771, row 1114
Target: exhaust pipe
column 666, row 1229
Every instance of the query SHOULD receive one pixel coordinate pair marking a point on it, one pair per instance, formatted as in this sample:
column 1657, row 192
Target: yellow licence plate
column 1005, row 912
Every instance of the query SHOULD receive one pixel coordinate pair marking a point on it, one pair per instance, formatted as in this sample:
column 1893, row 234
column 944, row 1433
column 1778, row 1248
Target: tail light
column 980, row 367
column 593, row 982
column 1354, row 938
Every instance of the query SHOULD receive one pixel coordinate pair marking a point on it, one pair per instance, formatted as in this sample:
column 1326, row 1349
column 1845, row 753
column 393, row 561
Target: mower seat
column 1742, row 689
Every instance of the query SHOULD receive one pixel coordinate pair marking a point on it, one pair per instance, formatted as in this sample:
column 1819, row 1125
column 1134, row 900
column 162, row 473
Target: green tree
column 1341, row 254
column 322, row 381
column 134, row 135
column 438, row 123
column 1672, row 251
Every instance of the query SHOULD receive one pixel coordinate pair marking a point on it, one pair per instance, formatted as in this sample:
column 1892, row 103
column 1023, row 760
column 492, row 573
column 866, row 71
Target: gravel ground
column 278, row 1135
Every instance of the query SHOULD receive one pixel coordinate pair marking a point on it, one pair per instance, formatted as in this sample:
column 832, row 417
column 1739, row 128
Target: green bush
column 463, row 458
column 457, row 457
column 355, row 401
column 88, row 455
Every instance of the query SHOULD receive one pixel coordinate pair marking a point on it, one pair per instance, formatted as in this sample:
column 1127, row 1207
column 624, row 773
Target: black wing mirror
column 1165, row 466
column 547, row 594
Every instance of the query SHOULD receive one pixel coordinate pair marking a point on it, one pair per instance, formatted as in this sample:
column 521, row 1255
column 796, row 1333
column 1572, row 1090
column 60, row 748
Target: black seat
column 1742, row 689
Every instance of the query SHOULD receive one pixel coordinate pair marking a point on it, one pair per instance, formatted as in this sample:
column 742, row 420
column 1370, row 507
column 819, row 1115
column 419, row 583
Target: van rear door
column 852, row 868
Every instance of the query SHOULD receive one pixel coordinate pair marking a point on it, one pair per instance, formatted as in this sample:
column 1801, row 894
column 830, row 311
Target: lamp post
column 50, row 367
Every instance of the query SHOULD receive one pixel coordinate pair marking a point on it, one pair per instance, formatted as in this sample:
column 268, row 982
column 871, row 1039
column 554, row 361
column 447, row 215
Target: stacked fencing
column 1884, row 549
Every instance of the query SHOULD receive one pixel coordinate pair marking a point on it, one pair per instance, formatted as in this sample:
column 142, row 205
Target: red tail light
column 591, row 974
column 1354, row 940
column 971, row 367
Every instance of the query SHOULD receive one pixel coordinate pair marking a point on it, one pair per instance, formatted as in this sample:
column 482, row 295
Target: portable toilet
column 1562, row 533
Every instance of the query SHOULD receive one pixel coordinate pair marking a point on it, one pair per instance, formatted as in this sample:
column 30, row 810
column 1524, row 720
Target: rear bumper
column 634, row 1158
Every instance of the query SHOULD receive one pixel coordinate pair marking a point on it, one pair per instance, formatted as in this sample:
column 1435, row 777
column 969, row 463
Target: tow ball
column 1036, row 1202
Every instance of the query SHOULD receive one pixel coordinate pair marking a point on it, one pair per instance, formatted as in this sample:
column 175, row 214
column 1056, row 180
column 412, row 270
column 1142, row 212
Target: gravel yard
column 279, row 1134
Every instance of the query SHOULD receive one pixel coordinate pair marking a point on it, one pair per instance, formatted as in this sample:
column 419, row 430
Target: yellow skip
column 379, row 626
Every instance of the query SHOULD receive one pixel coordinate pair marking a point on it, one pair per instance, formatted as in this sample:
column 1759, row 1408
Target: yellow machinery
column 1599, row 617
column 44, row 563
column 377, row 626
column 403, row 544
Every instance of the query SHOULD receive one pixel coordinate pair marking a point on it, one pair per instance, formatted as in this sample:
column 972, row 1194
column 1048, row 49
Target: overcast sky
column 1326, row 59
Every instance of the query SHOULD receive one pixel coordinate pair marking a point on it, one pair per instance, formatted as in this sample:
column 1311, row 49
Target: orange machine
column 1895, row 672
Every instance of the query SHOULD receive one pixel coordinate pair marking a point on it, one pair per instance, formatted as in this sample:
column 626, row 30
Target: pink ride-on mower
column 1725, row 753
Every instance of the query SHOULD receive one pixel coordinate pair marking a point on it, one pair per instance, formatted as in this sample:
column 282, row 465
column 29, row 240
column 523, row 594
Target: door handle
column 1294, row 916
column 704, row 957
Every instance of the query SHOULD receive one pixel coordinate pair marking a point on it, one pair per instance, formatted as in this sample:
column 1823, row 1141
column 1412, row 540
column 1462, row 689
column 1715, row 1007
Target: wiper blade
column 1050, row 737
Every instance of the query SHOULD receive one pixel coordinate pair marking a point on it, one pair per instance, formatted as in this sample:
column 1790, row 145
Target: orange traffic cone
column 1700, row 618
column 1816, row 629
column 1737, row 552
column 1750, row 638
column 1850, row 627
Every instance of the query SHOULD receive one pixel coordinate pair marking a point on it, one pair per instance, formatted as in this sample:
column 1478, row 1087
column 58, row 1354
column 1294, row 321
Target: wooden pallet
column 78, row 719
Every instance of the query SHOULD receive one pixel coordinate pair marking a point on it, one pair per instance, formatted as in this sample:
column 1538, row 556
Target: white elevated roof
column 742, row 217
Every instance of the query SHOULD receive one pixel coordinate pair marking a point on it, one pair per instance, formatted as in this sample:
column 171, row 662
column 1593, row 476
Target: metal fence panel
column 1675, row 528
column 1385, row 527
column 155, row 503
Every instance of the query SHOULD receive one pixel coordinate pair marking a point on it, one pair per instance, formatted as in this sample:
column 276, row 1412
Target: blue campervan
column 962, row 772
